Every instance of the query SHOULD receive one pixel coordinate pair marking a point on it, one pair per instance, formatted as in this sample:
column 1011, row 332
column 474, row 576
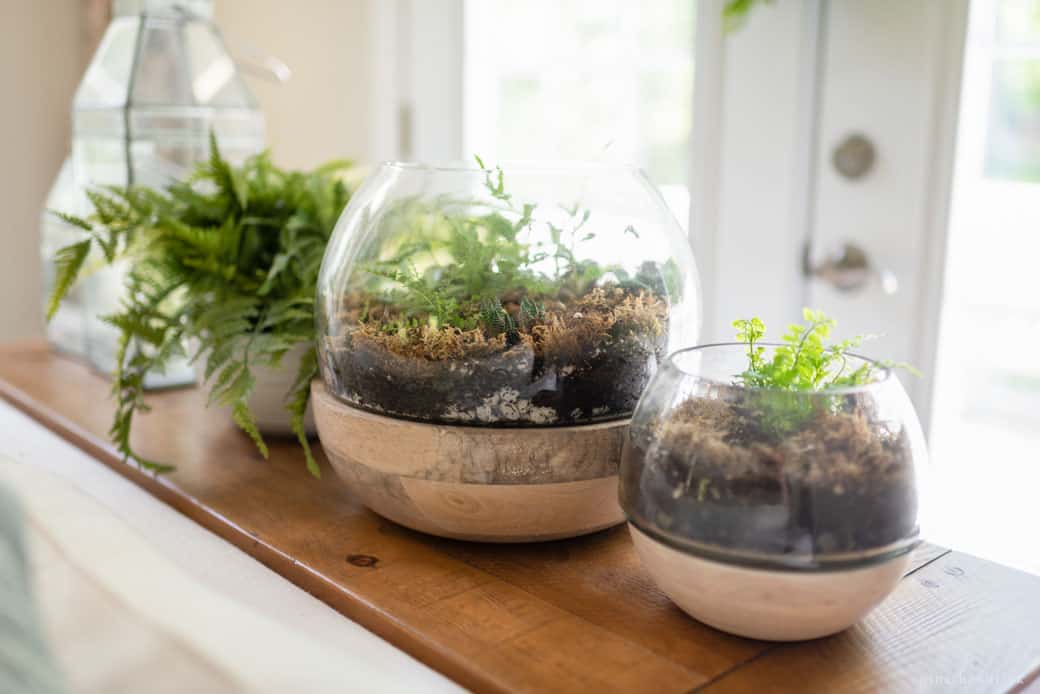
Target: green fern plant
column 804, row 362
column 491, row 258
column 229, row 258
column 422, row 298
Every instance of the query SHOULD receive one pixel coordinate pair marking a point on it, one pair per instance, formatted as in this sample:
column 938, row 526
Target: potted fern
column 224, row 265
column 771, row 489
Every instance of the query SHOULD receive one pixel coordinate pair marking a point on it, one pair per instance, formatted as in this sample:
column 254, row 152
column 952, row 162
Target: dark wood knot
column 365, row 561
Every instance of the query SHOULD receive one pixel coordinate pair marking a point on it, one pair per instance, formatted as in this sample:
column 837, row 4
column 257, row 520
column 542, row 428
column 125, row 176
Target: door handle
column 848, row 268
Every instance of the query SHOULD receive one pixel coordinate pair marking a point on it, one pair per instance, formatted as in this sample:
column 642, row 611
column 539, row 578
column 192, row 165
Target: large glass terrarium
column 508, row 299
column 521, row 297
column 159, row 83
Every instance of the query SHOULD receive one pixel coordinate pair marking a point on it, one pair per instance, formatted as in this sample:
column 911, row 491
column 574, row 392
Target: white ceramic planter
column 767, row 604
column 268, row 399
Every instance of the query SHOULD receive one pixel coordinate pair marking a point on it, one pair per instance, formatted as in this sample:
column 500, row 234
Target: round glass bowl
column 768, row 513
column 527, row 296
column 466, row 301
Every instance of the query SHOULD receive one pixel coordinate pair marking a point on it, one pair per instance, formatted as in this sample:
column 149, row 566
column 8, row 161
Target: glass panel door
column 986, row 410
column 604, row 80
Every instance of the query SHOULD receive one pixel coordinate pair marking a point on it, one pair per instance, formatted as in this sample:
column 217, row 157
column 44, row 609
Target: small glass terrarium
column 774, row 514
column 519, row 309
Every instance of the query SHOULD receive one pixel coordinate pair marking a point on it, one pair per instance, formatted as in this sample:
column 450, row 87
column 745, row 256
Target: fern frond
column 225, row 377
column 72, row 220
column 68, row 263
column 108, row 209
column 299, row 398
column 218, row 354
column 243, row 417
column 230, row 183
column 277, row 266
column 132, row 364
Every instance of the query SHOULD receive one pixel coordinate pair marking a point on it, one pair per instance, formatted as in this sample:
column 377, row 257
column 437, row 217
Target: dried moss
column 564, row 331
column 434, row 344
column 830, row 448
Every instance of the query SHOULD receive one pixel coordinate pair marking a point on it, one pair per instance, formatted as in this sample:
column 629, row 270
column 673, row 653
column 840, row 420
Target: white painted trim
column 807, row 128
column 753, row 245
column 705, row 150
column 383, row 67
column 949, row 69
column 434, row 43
column 416, row 62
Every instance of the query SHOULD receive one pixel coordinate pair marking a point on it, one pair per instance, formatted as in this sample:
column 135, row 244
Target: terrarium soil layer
column 585, row 362
column 840, row 484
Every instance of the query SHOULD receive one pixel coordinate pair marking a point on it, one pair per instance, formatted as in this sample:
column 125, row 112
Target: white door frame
column 756, row 154
column 757, row 157
column 415, row 75
column 417, row 112
column 753, row 94
column 949, row 71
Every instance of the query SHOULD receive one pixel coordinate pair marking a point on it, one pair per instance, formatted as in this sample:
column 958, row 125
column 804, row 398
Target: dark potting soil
column 511, row 387
column 840, row 483
column 578, row 360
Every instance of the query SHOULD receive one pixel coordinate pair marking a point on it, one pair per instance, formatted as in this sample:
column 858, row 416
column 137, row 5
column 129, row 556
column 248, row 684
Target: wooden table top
column 571, row 615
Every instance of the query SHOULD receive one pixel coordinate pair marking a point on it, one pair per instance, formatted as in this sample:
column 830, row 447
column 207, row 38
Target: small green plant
column 228, row 258
column 498, row 321
column 422, row 298
column 803, row 362
column 492, row 263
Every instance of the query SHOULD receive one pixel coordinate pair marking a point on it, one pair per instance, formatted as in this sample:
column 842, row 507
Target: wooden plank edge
column 328, row 591
column 355, row 607
column 1013, row 682
column 1029, row 683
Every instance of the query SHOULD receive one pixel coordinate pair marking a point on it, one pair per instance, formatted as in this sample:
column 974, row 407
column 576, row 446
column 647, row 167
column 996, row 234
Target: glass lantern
column 528, row 295
column 160, row 82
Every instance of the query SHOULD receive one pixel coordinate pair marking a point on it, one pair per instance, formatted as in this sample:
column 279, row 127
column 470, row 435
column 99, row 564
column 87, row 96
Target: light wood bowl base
column 765, row 604
column 487, row 484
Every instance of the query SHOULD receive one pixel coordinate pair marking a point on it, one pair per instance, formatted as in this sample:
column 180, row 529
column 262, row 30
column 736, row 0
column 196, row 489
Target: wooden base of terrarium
column 765, row 604
column 489, row 484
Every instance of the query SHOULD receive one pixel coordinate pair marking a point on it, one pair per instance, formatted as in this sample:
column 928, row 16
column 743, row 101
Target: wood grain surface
column 493, row 484
column 570, row 615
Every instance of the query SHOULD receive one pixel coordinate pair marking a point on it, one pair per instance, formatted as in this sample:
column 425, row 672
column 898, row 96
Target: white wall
column 321, row 113
column 42, row 43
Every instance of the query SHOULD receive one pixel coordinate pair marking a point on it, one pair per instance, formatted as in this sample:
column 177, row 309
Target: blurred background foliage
column 1013, row 137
